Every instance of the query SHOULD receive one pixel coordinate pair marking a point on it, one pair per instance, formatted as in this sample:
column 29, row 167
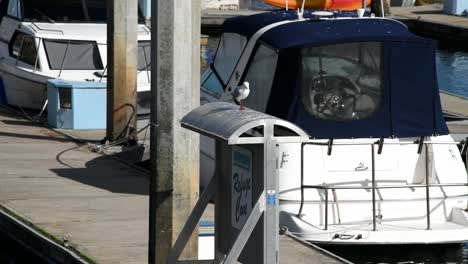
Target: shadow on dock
column 96, row 174
column 29, row 136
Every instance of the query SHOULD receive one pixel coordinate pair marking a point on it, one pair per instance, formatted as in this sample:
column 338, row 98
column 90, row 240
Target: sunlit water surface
column 452, row 71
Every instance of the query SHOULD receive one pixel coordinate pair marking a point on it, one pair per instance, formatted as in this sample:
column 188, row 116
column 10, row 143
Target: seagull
column 241, row 93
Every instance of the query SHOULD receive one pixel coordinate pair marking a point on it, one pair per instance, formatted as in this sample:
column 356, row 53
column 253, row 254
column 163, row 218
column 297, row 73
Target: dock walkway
column 430, row 13
column 93, row 203
column 87, row 207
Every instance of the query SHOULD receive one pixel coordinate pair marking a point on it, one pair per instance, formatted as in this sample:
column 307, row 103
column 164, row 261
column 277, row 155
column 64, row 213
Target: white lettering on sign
column 241, row 186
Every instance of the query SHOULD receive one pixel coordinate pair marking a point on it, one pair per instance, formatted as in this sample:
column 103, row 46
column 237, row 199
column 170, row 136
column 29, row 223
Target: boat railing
column 427, row 185
column 36, row 29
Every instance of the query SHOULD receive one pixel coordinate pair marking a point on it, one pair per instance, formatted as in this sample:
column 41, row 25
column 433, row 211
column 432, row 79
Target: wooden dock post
column 121, row 70
column 175, row 89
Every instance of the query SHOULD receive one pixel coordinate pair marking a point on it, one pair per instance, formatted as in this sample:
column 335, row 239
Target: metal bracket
column 420, row 143
column 191, row 223
column 381, row 143
column 247, row 230
column 464, row 149
column 330, row 147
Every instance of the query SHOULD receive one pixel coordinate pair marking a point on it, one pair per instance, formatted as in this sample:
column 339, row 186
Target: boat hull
column 345, row 214
column 27, row 91
column 319, row 4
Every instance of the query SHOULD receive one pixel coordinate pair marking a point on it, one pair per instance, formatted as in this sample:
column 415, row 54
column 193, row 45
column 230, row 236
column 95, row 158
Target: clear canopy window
column 73, row 55
column 66, row 10
column 343, row 81
column 229, row 51
column 260, row 76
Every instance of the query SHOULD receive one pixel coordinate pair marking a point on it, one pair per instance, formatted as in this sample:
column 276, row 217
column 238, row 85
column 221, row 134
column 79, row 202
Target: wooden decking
column 457, row 108
column 454, row 105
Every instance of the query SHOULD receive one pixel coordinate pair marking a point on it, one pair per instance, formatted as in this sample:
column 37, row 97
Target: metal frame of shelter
column 230, row 126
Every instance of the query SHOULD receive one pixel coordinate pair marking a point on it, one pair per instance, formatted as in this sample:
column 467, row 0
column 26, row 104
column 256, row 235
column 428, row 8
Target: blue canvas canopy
column 410, row 103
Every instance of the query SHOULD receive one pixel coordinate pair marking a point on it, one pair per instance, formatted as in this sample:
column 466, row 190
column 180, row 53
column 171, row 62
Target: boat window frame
column 209, row 90
column 11, row 43
column 214, row 72
column 213, row 67
column 20, row 12
column 71, row 41
column 242, row 79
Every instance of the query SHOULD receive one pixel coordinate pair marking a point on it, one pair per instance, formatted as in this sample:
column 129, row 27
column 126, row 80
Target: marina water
column 452, row 70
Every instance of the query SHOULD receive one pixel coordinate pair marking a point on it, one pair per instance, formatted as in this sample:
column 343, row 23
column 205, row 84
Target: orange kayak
column 319, row 4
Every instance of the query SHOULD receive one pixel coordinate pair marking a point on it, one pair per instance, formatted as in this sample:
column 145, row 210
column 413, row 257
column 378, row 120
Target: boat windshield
column 73, row 55
column 343, row 81
column 67, row 11
column 229, row 51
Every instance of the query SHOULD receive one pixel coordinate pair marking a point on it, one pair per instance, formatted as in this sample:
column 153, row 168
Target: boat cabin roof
column 342, row 26
column 335, row 77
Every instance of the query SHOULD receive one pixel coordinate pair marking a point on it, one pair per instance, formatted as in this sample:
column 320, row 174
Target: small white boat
column 380, row 166
column 43, row 40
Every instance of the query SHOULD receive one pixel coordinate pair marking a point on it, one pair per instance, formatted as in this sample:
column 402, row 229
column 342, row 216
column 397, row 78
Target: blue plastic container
column 456, row 7
column 77, row 105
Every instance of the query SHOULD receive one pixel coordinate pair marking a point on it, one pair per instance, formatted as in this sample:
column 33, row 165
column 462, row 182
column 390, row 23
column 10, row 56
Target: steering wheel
column 334, row 96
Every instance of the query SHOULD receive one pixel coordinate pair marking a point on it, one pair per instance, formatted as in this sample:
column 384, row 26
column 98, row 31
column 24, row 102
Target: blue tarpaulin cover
column 411, row 104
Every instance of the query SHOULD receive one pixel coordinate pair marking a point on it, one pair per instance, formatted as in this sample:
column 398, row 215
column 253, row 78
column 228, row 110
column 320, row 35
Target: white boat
column 380, row 166
column 43, row 40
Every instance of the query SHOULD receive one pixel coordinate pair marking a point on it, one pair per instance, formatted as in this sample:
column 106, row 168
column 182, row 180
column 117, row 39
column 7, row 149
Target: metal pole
column 64, row 57
column 154, row 119
column 103, row 73
column 364, row 4
column 302, row 181
column 374, row 223
column 465, row 150
column 146, row 64
column 428, row 204
column 326, row 209
column 271, row 214
column 37, row 55
column 20, row 50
